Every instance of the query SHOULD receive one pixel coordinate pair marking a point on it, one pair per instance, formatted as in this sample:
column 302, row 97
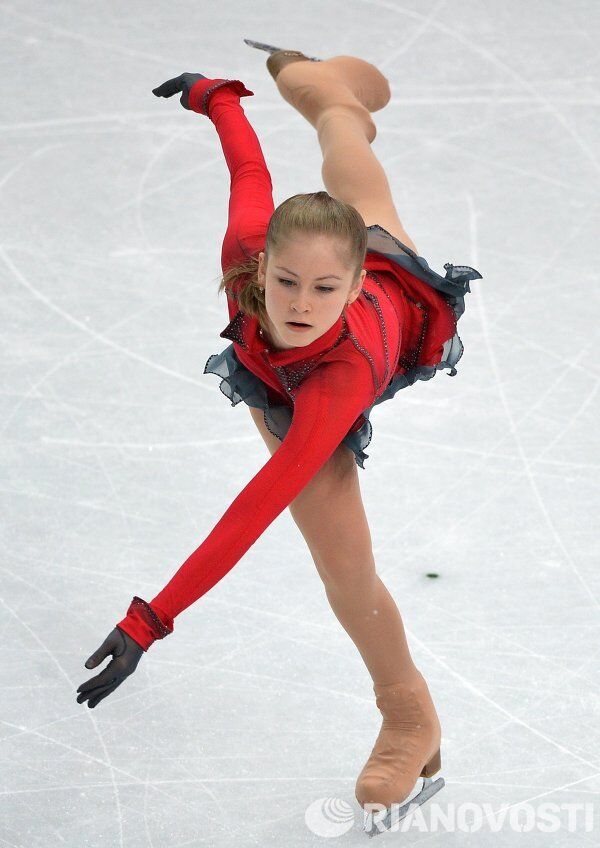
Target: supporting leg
column 330, row 515
column 370, row 616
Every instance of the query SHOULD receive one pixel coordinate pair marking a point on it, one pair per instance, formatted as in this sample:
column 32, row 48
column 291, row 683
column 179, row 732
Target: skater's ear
column 356, row 289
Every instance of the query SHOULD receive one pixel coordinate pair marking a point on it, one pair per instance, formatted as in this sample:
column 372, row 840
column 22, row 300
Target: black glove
column 126, row 655
column 181, row 83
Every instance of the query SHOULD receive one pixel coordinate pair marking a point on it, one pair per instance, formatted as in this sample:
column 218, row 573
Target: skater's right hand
column 126, row 655
column 181, row 83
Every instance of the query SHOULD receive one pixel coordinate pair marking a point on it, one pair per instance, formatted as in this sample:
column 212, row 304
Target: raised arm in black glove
column 126, row 655
column 181, row 83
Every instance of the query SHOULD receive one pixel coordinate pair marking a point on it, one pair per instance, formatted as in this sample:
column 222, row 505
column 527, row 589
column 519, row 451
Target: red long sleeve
column 251, row 188
column 327, row 403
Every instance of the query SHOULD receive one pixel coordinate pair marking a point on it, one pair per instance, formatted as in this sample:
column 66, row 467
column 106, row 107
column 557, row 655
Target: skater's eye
column 321, row 288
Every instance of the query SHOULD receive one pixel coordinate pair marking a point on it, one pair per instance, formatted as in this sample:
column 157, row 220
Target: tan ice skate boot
column 316, row 86
column 408, row 747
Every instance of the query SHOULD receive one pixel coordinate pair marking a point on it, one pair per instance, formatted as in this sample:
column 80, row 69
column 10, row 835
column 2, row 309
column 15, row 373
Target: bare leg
column 369, row 615
column 330, row 515
column 337, row 97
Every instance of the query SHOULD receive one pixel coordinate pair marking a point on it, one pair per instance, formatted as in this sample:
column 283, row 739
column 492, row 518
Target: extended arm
column 251, row 189
column 250, row 207
column 326, row 406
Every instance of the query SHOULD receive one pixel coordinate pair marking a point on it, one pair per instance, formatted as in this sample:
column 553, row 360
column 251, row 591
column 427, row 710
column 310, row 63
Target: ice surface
column 119, row 455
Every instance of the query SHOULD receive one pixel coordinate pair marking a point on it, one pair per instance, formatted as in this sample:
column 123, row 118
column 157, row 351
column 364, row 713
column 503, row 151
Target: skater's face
column 294, row 292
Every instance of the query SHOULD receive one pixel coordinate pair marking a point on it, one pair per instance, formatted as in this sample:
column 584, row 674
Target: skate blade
column 270, row 49
column 429, row 788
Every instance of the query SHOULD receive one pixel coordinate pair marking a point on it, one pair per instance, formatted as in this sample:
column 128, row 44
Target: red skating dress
column 402, row 327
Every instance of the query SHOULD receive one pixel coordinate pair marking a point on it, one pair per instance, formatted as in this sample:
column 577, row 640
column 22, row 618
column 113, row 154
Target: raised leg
column 330, row 515
column 337, row 97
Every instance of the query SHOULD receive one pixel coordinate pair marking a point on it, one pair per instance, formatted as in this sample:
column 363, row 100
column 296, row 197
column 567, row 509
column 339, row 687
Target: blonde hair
column 313, row 213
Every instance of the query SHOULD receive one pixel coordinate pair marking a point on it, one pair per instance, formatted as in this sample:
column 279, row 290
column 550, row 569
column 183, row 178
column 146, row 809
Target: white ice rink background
column 119, row 455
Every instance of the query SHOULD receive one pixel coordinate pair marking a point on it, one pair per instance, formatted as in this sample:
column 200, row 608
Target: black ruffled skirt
column 238, row 383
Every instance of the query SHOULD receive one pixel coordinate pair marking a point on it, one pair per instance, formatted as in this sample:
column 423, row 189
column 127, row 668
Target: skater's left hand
column 126, row 655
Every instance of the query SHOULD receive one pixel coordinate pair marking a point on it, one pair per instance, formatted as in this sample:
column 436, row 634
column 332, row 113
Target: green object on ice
column 432, row 574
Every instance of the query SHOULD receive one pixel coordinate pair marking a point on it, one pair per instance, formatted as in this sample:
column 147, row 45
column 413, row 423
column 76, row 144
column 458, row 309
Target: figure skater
column 332, row 311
